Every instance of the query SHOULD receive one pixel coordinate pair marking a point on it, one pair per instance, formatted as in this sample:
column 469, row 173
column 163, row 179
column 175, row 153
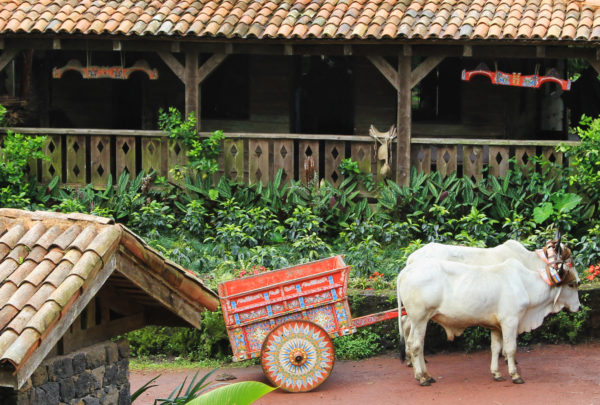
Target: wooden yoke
column 404, row 79
column 192, row 75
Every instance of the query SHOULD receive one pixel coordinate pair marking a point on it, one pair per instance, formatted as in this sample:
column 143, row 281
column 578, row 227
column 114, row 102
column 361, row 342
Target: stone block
column 111, row 396
column 85, row 384
column 95, row 356
column 124, row 395
column 110, row 375
column 60, row 368
column 98, row 373
column 123, row 346
column 89, row 400
column 123, row 371
column 79, row 362
column 112, row 353
column 40, row 375
column 52, row 390
column 67, row 389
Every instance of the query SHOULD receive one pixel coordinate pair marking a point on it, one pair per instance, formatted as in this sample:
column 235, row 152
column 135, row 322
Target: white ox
column 508, row 298
column 473, row 256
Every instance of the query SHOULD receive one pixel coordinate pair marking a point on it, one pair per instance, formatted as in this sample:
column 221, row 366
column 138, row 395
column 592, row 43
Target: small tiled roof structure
column 551, row 20
column 52, row 265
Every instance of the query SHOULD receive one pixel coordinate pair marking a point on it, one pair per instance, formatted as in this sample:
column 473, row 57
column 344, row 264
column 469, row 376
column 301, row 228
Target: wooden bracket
column 117, row 46
column 7, row 56
column 209, row 66
column 416, row 75
column 56, row 44
column 467, row 51
column 173, row 64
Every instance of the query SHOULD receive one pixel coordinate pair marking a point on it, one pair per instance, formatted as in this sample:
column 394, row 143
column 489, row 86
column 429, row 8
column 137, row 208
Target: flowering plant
column 253, row 271
column 594, row 271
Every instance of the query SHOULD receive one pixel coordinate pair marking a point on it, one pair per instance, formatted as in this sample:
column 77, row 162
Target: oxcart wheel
column 297, row 356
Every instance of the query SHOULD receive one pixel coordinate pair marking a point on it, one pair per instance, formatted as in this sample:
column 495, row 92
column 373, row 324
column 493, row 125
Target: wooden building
column 291, row 79
column 71, row 281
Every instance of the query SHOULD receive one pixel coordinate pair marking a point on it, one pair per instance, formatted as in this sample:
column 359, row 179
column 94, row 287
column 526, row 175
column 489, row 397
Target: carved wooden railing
column 82, row 156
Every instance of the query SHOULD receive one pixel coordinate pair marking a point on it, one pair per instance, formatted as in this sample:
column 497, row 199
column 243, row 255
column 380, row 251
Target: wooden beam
column 210, row 65
column 403, row 120
column 423, row 69
column 407, row 50
column 173, row 64
column 467, row 51
column 117, row 46
column 385, row 69
column 7, row 56
column 176, row 47
column 595, row 64
column 102, row 332
column 160, row 291
column 56, row 44
column 540, row 51
column 192, row 92
column 64, row 323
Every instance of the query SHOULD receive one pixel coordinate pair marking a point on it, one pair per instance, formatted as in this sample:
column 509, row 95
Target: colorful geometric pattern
column 297, row 356
column 515, row 20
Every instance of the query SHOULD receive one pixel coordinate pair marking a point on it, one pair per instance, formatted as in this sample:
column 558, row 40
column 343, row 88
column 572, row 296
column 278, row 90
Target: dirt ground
column 558, row 374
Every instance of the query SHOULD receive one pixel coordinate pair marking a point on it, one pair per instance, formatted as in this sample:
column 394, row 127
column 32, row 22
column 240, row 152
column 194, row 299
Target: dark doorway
column 324, row 98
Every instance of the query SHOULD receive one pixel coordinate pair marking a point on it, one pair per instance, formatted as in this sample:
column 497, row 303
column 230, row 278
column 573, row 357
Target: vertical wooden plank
column 404, row 120
column 446, row 160
column 191, row 82
column 53, row 166
column 556, row 158
column 307, row 150
column 152, row 156
column 177, row 159
column 362, row 153
column 283, row 158
column 473, row 162
column 91, row 313
column 334, row 153
column 125, row 155
column 523, row 157
column 421, row 157
column 498, row 160
column 76, row 164
column 100, row 160
column 234, row 159
column 258, row 165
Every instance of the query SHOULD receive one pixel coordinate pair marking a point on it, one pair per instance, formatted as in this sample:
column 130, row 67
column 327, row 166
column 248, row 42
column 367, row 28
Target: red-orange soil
column 558, row 374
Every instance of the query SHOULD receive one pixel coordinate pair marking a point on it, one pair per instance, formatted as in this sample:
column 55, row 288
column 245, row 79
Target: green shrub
column 359, row 345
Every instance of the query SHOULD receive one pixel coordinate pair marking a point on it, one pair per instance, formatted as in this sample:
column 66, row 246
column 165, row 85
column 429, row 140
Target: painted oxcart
column 287, row 317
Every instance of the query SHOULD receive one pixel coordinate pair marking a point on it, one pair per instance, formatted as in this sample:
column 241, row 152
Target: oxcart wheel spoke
column 297, row 356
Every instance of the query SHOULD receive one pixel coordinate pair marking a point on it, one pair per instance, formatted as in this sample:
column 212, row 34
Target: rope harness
column 559, row 264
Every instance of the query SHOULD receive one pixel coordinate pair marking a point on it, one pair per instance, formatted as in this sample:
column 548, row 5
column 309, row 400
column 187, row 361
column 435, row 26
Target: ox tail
column 400, row 310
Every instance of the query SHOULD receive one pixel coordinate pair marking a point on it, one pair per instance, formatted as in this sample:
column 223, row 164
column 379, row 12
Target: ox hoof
column 499, row 378
column 518, row 380
column 425, row 383
column 431, row 379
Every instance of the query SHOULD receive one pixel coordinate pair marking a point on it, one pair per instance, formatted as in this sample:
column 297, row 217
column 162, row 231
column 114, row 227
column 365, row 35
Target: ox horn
column 558, row 242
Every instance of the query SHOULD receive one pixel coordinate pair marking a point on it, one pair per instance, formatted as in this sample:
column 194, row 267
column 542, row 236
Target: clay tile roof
column 47, row 263
column 304, row 19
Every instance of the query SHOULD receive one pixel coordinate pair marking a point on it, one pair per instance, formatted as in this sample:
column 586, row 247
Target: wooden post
column 404, row 120
column 192, row 91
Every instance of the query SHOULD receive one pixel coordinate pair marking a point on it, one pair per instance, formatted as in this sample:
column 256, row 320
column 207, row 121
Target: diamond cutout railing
column 177, row 149
column 498, row 157
column 308, row 151
column 525, row 158
column 258, row 174
column 283, row 152
column 75, row 147
column 151, row 148
column 552, row 158
column 100, row 146
column 446, row 157
column 334, row 177
column 100, row 170
column 233, row 150
column 52, row 170
column 258, row 151
column 473, row 157
column 125, row 148
column 234, row 174
column 76, row 170
column 51, row 147
column 334, row 153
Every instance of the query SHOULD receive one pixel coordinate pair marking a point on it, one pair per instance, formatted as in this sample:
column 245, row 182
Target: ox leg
column 406, row 327
column 416, row 342
column 496, row 349
column 509, row 334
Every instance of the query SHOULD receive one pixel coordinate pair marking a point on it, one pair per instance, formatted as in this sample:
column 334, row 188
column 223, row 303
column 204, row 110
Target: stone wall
column 95, row 375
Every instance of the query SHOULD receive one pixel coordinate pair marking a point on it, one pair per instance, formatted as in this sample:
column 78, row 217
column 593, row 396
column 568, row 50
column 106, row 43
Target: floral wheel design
column 297, row 356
